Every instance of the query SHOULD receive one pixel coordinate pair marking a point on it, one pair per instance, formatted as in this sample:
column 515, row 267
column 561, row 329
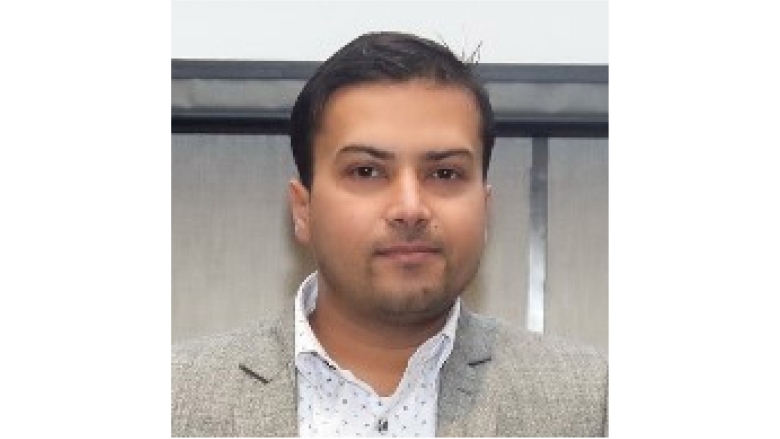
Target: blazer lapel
column 461, row 377
column 268, row 402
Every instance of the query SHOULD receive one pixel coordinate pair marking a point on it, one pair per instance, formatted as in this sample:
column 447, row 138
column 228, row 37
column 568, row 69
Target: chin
column 413, row 303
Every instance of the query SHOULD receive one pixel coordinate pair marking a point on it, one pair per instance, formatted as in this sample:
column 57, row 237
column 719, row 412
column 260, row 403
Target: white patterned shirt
column 333, row 402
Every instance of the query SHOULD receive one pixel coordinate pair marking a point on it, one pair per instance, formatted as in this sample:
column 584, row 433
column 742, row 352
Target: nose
column 408, row 208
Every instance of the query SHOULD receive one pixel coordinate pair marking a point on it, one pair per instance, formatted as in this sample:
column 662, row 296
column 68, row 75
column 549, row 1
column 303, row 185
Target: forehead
column 418, row 114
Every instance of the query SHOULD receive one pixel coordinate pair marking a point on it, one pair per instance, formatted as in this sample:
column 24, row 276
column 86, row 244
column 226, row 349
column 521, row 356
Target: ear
column 298, row 197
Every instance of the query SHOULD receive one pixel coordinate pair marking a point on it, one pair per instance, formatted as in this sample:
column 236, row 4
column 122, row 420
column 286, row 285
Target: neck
column 373, row 351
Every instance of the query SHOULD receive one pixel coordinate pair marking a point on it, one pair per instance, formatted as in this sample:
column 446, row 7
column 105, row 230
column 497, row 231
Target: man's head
column 381, row 57
column 392, row 138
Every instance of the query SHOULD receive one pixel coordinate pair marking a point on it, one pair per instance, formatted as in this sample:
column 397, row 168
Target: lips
column 408, row 252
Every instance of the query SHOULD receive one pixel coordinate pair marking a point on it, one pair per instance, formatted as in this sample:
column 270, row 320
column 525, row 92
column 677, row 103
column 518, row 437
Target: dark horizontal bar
column 302, row 70
column 588, row 129
column 215, row 124
column 269, row 124
column 241, row 70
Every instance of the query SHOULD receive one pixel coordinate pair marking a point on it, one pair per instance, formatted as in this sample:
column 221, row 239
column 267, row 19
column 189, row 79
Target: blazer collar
column 461, row 377
column 268, row 405
column 274, row 351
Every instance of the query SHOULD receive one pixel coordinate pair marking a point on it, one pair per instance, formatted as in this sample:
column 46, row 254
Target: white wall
column 557, row 32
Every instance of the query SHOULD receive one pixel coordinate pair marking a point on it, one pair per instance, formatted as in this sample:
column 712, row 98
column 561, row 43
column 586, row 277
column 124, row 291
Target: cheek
column 340, row 224
column 464, row 229
column 470, row 237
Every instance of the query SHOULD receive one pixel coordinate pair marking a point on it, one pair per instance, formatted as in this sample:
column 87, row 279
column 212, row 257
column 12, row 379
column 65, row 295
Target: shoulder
column 215, row 349
column 216, row 352
column 537, row 378
column 207, row 364
column 541, row 365
column 520, row 346
column 207, row 380
column 547, row 348
column 213, row 363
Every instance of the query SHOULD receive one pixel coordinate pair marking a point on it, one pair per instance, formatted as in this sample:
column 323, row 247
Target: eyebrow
column 383, row 154
column 441, row 155
column 366, row 149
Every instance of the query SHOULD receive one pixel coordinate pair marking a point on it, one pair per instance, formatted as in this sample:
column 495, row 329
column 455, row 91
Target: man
column 392, row 139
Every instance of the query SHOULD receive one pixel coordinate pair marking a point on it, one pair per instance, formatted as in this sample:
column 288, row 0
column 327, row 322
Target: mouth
column 408, row 253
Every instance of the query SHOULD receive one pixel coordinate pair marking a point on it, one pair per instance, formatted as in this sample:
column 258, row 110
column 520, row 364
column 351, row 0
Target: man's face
column 397, row 212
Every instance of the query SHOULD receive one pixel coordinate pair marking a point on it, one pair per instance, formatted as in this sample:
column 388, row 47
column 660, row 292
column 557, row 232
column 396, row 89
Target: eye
column 365, row 172
column 446, row 174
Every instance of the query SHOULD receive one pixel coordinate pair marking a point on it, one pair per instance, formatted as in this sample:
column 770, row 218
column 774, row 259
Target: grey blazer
column 498, row 381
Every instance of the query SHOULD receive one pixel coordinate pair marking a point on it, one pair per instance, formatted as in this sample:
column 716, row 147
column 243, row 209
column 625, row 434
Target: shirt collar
column 306, row 302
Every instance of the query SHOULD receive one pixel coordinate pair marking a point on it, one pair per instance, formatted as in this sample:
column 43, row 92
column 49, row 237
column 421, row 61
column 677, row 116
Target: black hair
column 381, row 57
